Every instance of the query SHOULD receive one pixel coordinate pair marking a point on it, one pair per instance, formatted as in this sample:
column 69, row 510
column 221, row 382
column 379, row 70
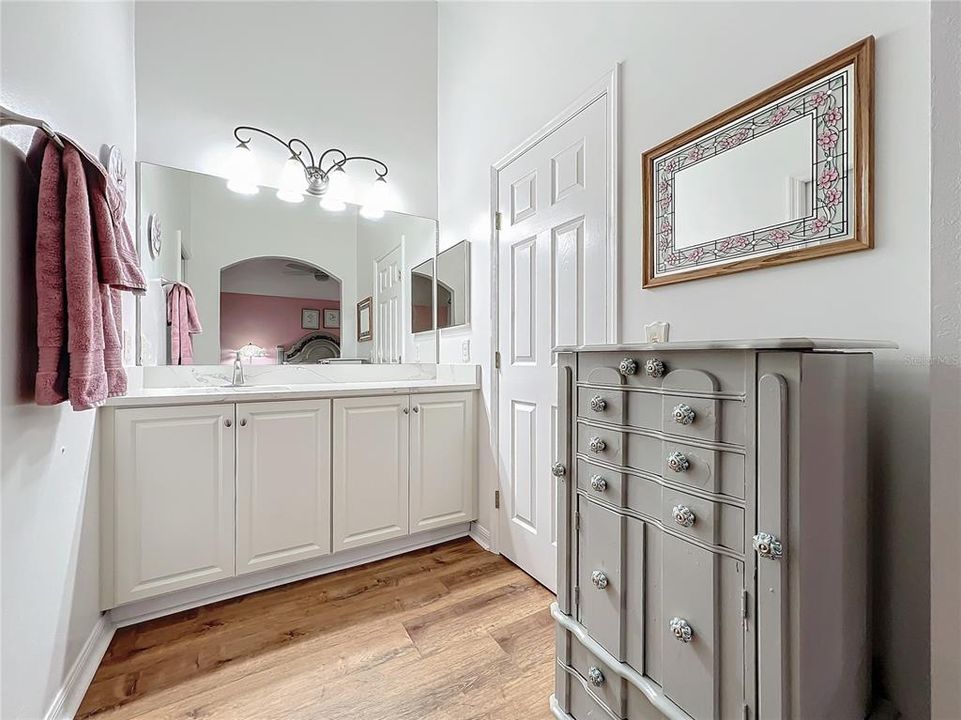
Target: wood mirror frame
column 366, row 304
column 861, row 57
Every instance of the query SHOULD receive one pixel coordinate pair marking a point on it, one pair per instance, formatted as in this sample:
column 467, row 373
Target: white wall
column 333, row 73
column 945, row 359
column 507, row 68
column 72, row 64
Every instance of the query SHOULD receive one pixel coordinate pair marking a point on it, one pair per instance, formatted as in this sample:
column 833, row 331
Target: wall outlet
column 465, row 350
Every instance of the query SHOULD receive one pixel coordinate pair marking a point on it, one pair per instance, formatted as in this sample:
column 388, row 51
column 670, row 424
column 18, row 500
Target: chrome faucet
column 238, row 377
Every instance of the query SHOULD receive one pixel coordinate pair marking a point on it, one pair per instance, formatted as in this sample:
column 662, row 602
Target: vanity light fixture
column 298, row 176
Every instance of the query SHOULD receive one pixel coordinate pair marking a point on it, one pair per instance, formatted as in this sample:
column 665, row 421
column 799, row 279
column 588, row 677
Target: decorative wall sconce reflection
column 331, row 183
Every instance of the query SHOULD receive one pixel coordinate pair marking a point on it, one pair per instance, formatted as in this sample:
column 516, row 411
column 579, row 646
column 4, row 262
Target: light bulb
column 293, row 181
column 376, row 201
column 243, row 177
column 338, row 184
column 331, row 204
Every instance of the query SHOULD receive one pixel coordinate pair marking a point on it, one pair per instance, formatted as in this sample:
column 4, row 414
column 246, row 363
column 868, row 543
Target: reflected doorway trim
column 607, row 85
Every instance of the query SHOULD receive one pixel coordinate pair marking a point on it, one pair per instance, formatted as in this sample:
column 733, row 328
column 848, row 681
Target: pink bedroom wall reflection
column 266, row 321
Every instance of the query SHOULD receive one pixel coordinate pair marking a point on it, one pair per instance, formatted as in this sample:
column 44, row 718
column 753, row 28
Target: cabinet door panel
column 370, row 484
column 442, row 488
column 283, row 482
column 173, row 498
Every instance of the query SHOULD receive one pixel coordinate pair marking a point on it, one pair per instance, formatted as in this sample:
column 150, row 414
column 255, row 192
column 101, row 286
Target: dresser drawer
column 688, row 416
column 602, row 682
column 582, row 704
column 716, row 471
column 715, row 523
column 722, row 372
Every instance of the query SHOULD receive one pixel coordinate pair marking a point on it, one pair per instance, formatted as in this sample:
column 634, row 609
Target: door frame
column 607, row 85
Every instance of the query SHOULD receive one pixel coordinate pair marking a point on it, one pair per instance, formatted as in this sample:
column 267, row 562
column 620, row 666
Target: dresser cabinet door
column 173, row 498
column 370, row 484
column 442, row 460
column 283, row 482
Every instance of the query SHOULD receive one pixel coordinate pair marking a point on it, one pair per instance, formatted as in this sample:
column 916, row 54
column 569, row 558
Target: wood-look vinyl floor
column 446, row 633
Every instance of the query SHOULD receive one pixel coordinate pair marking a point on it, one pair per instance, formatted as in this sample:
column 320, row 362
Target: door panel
column 388, row 323
column 552, row 288
column 283, row 483
column 174, row 498
column 370, row 483
column 442, row 460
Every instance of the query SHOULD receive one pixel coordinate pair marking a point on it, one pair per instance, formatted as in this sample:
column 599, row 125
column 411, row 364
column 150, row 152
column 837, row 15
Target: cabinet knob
column 243, row 422
column 768, row 546
column 678, row 462
column 598, row 483
column 654, row 368
column 684, row 414
column 417, row 408
column 228, row 422
column 595, row 676
column 406, row 411
column 599, row 579
column 558, row 469
column 682, row 629
column 597, row 445
column 628, row 366
column 683, row 515
column 598, row 404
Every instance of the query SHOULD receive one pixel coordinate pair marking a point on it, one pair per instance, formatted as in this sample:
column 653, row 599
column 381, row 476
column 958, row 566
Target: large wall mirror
column 782, row 177
column 278, row 282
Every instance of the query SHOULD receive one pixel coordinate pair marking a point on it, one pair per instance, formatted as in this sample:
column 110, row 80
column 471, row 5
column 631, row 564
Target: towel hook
column 9, row 117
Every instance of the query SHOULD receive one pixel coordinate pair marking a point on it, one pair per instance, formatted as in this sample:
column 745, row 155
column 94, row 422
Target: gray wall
column 507, row 68
column 72, row 64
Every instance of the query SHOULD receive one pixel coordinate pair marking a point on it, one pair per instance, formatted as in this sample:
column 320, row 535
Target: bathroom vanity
column 222, row 490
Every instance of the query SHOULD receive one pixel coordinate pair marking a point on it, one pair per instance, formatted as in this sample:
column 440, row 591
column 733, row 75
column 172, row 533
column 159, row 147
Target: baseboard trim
column 480, row 535
column 151, row 608
column 68, row 698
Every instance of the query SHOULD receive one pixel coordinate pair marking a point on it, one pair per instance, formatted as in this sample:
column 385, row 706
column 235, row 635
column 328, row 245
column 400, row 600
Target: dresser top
column 795, row 343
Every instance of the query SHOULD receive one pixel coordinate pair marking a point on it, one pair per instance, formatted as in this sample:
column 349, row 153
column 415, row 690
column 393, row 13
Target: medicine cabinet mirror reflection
column 453, row 286
column 278, row 282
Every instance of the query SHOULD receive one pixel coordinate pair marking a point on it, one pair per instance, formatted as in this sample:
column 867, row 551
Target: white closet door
column 173, row 498
column 553, row 289
column 388, row 321
column 371, row 436
column 442, row 460
column 283, row 482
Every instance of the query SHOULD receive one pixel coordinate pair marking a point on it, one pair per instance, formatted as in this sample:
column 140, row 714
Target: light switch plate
column 465, row 350
column 657, row 332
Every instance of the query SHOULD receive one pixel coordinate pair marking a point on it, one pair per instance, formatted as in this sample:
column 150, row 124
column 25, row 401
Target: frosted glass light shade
column 376, row 201
column 339, row 185
column 242, row 174
column 293, row 181
column 332, row 204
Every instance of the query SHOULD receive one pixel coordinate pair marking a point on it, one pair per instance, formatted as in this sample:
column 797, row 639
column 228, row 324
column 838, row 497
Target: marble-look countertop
column 795, row 343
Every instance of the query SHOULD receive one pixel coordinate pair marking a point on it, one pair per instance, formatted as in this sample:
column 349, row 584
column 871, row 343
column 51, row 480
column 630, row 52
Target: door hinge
column 497, row 221
column 744, row 600
column 577, row 595
column 497, row 360
column 497, row 499
column 577, row 520
column 747, row 711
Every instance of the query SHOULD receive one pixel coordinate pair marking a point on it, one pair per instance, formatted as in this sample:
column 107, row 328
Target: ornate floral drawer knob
column 597, row 445
column 598, row 484
column 599, row 579
column 558, row 470
column 595, row 676
column 598, row 404
column 684, row 414
column 682, row 629
column 678, row 462
column 654, row 368
column 683, row 515
column 628, row 366
column 768, row 546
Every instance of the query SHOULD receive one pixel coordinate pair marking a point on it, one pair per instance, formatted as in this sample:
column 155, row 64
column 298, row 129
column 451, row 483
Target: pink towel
column 184, row 321
column 85, row 256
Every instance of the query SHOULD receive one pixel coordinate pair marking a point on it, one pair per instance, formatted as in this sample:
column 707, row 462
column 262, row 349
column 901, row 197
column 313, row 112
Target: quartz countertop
column 796, row 343
column 155, row 396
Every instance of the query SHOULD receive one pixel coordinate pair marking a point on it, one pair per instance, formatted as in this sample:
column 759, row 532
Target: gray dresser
column 712, row 542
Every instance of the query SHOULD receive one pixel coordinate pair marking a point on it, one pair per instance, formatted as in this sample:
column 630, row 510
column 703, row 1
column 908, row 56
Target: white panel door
column 283, row 482
column 443, row 462
column 388, row 321
column 553, row 256
column 173, row 498
column 371, row 436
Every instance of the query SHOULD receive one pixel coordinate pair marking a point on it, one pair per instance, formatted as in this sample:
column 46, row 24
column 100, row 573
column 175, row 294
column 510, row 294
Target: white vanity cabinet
column 371, row 472
column 443, row 459
column 283, row 482
column 169, row 495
